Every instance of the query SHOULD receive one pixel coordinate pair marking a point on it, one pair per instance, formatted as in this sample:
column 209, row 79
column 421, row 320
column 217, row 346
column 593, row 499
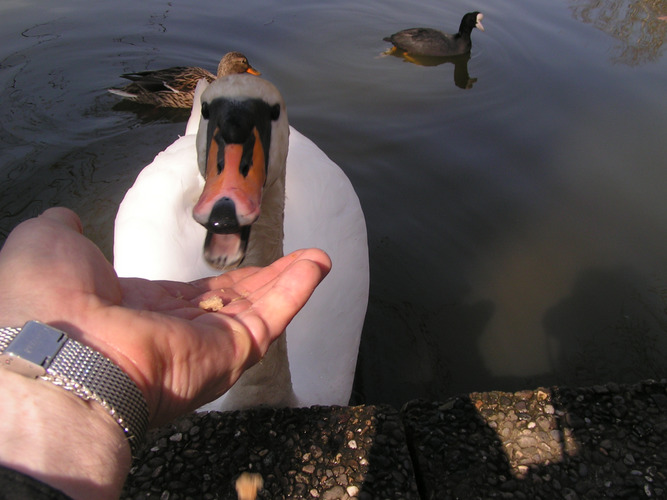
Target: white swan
column 156, row 237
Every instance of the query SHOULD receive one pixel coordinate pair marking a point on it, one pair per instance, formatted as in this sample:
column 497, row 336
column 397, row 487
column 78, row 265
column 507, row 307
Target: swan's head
column 241, row 148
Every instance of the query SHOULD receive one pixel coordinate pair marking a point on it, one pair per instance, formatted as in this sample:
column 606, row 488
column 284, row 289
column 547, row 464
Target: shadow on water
column 604, row 330
column 462, row 77
column 423, row 370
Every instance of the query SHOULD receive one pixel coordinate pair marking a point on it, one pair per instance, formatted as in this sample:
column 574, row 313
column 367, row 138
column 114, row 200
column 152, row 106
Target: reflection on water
column 640, row 26
column 147, row 114
column 461, row 76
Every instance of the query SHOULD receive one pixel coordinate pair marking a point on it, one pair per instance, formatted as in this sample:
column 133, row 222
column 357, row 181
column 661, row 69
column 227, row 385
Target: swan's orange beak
column 252, row 71
column 231, row 199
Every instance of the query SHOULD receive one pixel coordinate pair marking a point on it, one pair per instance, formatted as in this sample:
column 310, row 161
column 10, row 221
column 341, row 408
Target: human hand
column 179, row 355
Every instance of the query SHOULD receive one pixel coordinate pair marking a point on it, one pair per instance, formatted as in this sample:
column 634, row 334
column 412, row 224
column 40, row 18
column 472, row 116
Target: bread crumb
column 247, row 486
column 212, row 304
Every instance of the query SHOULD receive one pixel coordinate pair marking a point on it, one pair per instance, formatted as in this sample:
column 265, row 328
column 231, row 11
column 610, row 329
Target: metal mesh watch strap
column 77, row 368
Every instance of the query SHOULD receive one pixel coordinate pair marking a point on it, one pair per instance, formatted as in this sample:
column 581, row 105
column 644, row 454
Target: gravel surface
column 319, row 452
column 596, row 442
column 549, row 443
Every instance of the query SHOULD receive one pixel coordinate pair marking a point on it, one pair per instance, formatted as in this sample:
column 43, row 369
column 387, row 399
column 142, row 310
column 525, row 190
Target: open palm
column 180, row 355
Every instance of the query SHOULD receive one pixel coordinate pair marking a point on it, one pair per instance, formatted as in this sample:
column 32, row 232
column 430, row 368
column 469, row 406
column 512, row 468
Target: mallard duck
column 157, row 236
column 174, row 87
column 431, row 42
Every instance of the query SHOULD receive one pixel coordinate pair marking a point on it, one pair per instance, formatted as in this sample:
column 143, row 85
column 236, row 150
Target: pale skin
column 179, row 355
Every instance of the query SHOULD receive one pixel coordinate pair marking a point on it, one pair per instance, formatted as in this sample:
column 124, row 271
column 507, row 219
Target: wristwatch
column 39, row 350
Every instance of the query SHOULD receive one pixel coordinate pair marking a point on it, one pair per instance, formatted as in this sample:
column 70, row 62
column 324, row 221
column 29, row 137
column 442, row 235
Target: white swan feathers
column 156, row 237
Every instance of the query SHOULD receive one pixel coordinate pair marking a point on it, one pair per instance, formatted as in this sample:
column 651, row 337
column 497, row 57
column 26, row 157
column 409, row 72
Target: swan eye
column 204, row 110
column 275, row 112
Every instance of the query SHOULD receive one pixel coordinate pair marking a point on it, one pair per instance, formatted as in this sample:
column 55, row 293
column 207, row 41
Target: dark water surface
column 516, row 202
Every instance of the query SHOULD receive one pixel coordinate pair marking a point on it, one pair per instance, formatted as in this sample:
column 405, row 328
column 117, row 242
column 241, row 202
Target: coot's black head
column 471, row 20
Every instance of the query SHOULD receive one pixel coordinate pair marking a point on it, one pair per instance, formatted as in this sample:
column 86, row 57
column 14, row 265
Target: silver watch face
column 33, row 349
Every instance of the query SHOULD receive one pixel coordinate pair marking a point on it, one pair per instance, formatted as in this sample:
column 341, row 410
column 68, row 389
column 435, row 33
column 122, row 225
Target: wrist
column 61, row 439
column 38, row 350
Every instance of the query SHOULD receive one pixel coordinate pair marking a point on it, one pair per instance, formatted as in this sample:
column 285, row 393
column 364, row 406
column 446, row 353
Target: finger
column 275, row 304
column 31, row 232
column 63, row 216
column 317, row 256
column 226, row 280
column 238, row 289
column 249, row 279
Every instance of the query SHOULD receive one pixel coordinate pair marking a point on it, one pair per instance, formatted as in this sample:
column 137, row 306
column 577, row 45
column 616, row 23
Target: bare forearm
column 60, row 439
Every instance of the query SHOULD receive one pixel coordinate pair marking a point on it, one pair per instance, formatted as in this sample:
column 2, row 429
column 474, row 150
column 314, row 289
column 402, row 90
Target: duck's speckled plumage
column 174, row 87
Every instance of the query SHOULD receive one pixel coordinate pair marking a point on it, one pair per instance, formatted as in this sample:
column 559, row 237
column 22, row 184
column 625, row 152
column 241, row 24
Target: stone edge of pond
column 556, row 442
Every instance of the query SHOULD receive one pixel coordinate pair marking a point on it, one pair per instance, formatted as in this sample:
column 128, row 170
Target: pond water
column 515, row 201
